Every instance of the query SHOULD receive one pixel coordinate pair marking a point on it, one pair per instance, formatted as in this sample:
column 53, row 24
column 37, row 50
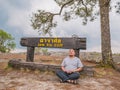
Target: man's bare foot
column 72, row 81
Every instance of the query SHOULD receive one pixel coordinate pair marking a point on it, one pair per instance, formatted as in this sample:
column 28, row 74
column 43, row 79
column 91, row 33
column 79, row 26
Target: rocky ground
column 11, row 79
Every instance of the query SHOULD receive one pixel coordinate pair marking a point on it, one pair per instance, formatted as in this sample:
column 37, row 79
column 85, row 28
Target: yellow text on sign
column 54, row 42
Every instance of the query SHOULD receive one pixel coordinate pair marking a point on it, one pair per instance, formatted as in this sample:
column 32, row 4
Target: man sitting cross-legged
column 71, row 66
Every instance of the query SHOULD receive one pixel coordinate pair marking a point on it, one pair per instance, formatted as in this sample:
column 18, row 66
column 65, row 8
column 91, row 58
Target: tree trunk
column 105, row 32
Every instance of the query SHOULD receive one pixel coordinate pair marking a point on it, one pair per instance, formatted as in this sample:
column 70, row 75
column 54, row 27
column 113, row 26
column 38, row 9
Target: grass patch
column 8, row 67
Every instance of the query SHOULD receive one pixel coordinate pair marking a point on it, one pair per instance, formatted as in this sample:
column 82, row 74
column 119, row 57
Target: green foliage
column 117, row 6
column 73, row 9
column 37, row 49
column 9, row 66
column 43, row 22
column 6, row 42
column 69, row 9
column 45, row 51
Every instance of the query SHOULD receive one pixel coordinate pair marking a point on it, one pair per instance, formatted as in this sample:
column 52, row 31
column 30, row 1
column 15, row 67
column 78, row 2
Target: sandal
column 75, row 82
column 69, row 81
column 72, row 81
column 61, row 81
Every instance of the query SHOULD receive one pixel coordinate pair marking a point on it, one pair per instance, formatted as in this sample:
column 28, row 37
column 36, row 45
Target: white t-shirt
column 71, row 63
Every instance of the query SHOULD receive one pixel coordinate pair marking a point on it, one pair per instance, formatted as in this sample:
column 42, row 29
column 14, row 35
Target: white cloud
column 48, row 5
column 115, row 46
column 17, row 50
column 94, row 49
column 20, row 18
column 116, row 49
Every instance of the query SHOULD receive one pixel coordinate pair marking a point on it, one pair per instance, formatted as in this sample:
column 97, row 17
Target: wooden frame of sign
column 75, row 43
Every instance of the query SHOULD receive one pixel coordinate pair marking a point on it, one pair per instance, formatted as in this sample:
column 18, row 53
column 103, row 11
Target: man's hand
column 69, row 71
column 76, row 70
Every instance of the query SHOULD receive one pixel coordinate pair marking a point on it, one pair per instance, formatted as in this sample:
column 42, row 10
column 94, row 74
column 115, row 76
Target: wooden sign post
column 49, row 42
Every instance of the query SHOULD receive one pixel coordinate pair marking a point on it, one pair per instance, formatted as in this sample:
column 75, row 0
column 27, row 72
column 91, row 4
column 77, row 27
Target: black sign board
column 56, row 42
column 50, row 42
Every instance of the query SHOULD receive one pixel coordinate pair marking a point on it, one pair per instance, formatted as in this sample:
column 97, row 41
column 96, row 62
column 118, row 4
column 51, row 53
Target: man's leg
column 62, row 75
column 74, row 76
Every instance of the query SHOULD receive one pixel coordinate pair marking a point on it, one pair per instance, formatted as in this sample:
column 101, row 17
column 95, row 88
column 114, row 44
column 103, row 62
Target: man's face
column 71, row 52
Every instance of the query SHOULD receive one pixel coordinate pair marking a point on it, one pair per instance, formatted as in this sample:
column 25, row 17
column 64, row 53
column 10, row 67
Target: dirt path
column 10, row 79
column 29, row 80
column 25, row 81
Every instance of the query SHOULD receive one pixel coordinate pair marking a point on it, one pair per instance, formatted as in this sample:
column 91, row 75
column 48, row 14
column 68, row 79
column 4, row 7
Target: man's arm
column 63, row 68
column 78, row 69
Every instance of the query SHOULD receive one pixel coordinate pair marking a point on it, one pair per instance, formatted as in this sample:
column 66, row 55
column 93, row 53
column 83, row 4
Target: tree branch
column 69, row 3
column 63, row 7
column 85, row 7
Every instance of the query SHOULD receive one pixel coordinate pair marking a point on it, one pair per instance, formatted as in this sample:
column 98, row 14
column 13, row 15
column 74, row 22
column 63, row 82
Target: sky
column 15, row 18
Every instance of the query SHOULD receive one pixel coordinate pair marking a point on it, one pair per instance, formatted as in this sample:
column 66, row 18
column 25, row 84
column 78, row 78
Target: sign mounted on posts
column 75, row 43
column 67, row 43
